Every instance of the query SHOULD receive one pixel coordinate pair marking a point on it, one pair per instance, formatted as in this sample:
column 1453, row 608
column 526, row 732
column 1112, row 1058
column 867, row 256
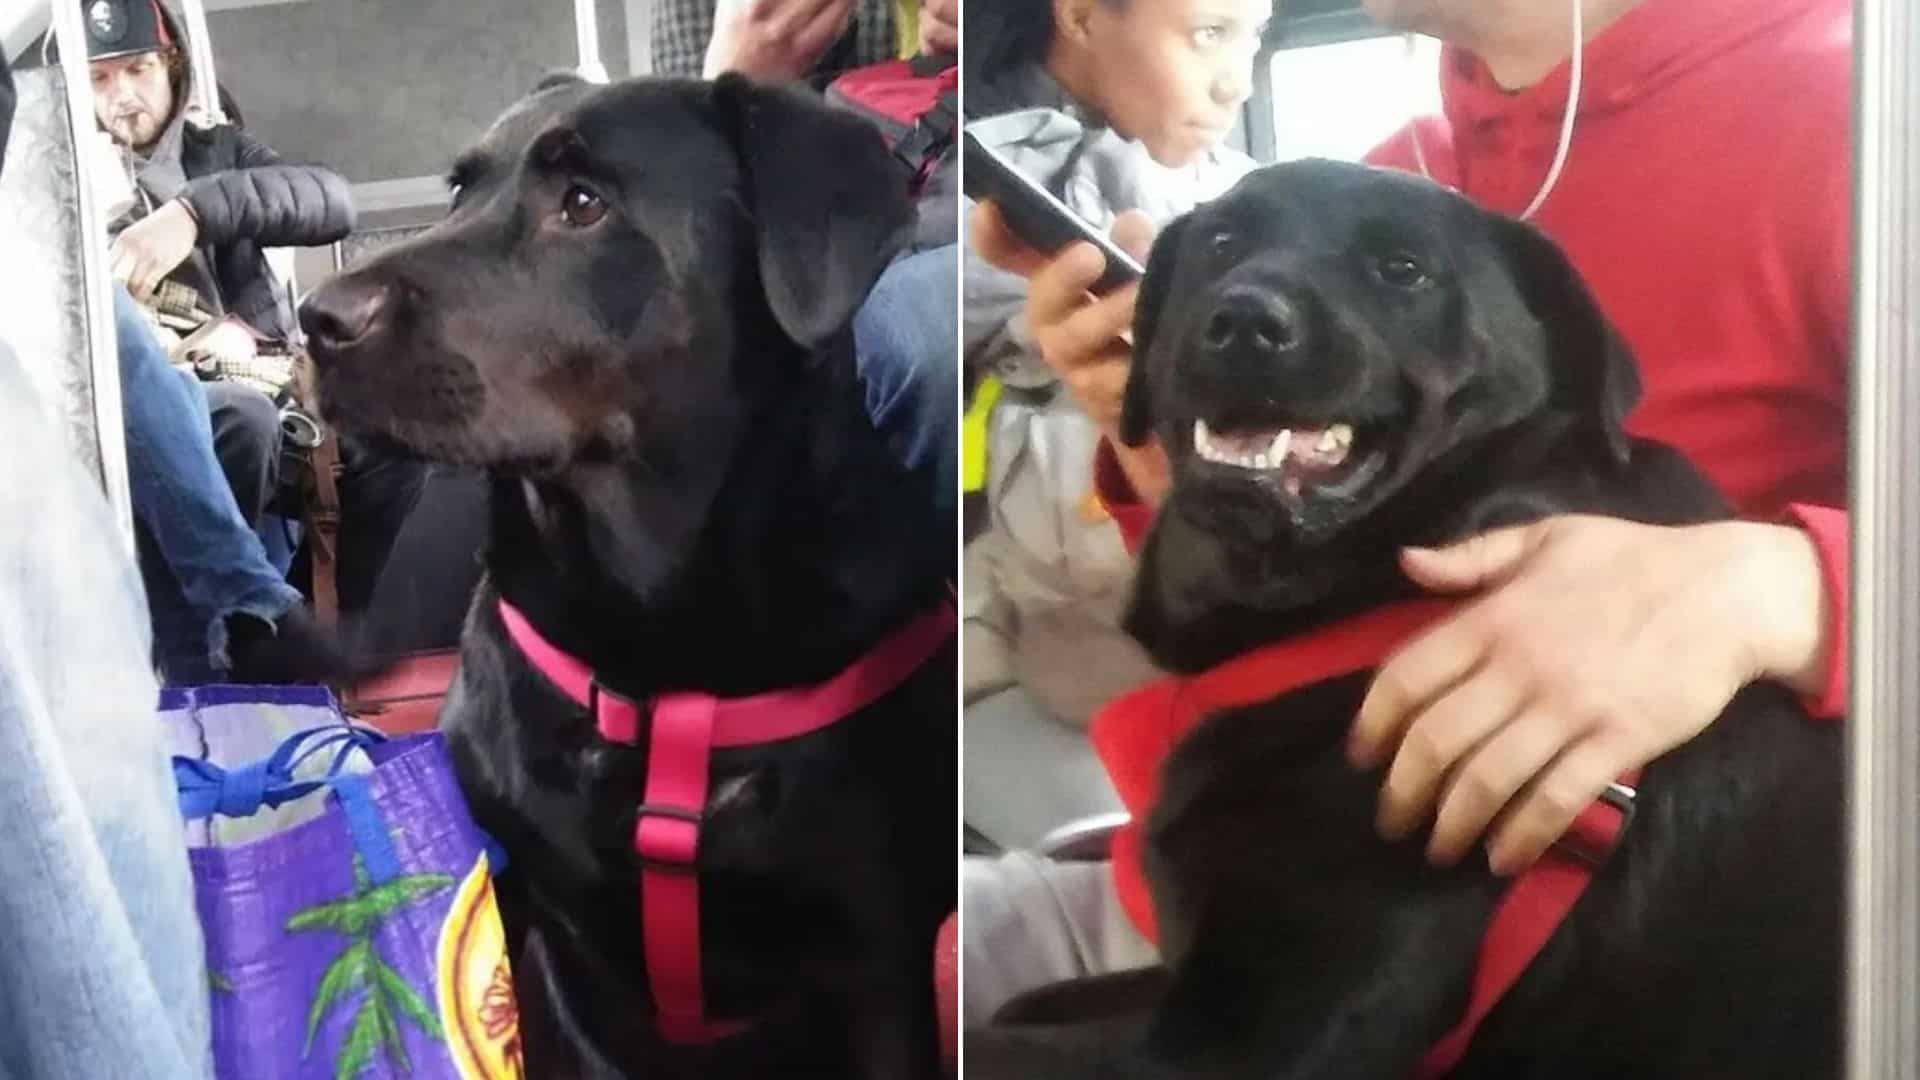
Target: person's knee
column 905, row 331
column 246, row 441
column 126, row 315
column 913, row 302
column 245, row 420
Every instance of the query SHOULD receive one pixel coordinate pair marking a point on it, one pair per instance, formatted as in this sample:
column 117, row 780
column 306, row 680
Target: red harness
column 684, row 730
column 1137, row 731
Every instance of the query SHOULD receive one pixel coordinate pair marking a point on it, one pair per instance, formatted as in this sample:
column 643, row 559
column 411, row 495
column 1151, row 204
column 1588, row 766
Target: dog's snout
column 344, row 312
column 1252, row 319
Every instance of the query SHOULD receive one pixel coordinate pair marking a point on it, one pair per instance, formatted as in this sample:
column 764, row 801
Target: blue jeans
column 205, row 561
column 102, row 967
column 906, row 340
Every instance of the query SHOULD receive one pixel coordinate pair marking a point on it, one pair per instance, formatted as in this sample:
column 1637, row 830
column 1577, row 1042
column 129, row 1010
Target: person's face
column 133, row 97
column 1173, row 73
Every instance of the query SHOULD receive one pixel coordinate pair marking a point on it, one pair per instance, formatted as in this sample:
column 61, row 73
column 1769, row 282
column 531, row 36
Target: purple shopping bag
column 356, row 934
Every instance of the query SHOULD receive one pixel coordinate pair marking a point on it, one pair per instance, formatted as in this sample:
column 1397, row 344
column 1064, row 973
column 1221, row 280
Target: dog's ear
column 829, row 203
column 1593, row 370
column 1136, row 407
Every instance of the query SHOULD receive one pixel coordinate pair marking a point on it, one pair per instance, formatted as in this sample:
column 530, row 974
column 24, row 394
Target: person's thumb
column 1477, row 562
column 1134, row 232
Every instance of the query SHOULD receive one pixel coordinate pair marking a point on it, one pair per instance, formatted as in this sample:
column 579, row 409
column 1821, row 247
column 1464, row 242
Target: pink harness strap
column 685, row 729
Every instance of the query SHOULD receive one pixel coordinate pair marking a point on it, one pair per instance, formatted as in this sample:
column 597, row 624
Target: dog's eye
column 582, row 207
column 1401, row 272
column 1225, row 243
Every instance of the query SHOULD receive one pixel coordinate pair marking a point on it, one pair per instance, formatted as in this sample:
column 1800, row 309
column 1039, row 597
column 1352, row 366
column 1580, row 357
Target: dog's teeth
column 1202, row 439
column 1328, row 442
column 1259, row 461
column 1277, row 452
column 1342, row 434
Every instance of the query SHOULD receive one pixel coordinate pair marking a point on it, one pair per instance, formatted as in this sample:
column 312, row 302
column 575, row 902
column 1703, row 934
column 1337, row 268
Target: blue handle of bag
column 368, row 829
column 206, row 789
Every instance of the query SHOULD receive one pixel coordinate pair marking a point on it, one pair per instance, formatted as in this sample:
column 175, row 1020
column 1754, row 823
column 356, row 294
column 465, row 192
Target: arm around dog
column 1503, row 712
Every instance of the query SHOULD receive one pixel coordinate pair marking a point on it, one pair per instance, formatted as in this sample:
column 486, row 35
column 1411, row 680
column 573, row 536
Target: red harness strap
column 1146, row 723
column 1532, row 909
column 685, row 728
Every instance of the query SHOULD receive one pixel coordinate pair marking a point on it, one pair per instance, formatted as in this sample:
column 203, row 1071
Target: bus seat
column 406, row 697
column 1028, row 774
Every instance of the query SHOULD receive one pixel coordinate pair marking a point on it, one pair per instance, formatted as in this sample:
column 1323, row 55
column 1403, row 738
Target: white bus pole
column 206, row 81
column 586, row 32
column 1883, row 971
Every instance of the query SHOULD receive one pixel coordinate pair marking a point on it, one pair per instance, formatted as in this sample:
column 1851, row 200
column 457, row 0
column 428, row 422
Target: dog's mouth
column 1300, row 460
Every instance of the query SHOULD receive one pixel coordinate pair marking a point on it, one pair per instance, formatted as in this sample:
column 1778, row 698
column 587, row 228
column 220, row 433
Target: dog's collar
column 1138, row 730
column 682, row 729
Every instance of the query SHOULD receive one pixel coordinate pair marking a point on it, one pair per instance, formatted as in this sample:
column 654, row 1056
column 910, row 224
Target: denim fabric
column 906, row 341
column 102, row 967
column 203, row 561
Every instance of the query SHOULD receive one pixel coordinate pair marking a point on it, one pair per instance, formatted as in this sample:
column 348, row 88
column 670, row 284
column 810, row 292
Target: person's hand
column 1085, row 339
column 1601, row 645
column 148, row 250
column 773, row 40
column 940, row 27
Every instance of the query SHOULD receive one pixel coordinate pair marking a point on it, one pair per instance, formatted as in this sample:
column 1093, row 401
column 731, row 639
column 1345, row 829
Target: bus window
column 1341, row 99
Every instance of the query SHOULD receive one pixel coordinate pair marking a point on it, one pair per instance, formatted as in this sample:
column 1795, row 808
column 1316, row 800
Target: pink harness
column 686, row 728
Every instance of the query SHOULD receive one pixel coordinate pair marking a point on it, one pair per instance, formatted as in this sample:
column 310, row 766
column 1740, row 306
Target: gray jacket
column 1047, row 579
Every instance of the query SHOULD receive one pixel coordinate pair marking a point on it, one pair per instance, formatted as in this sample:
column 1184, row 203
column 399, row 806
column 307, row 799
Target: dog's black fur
column 636, row 318
column 1297, row 943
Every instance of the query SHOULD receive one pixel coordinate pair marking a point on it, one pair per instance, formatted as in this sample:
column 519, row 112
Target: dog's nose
column 1252, row 319
column 343, row 312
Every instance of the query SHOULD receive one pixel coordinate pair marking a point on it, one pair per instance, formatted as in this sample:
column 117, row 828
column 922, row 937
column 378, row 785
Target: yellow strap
column 906, row 23
column 973, row 436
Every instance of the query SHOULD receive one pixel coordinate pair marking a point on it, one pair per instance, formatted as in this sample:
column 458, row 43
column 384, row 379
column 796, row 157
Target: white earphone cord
column 1566, row 122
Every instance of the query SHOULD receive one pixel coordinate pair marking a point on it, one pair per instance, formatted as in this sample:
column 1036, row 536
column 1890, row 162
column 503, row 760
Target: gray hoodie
column 1046, row 581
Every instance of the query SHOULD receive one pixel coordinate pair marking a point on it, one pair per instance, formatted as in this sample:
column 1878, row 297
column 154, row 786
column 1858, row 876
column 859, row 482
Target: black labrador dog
column 1440, row 370
column 635, row 318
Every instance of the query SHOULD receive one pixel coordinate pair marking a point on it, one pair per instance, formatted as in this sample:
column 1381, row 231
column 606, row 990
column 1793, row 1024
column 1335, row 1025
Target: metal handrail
column 109, row 428
column 1884, row 721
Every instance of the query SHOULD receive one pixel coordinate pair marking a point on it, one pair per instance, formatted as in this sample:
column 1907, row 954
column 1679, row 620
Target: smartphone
column 1043, row 222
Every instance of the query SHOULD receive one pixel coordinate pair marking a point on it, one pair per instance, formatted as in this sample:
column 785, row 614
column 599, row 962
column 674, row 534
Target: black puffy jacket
column 247, row 199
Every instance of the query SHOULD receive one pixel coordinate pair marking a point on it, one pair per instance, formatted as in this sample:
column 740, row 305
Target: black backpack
column 916, row 105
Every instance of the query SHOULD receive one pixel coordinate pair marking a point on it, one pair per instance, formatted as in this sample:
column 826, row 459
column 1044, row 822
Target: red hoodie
column 1707, row 200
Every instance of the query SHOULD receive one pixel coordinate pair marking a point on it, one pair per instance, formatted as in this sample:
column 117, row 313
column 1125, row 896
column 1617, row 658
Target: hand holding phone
column 1043, row 222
